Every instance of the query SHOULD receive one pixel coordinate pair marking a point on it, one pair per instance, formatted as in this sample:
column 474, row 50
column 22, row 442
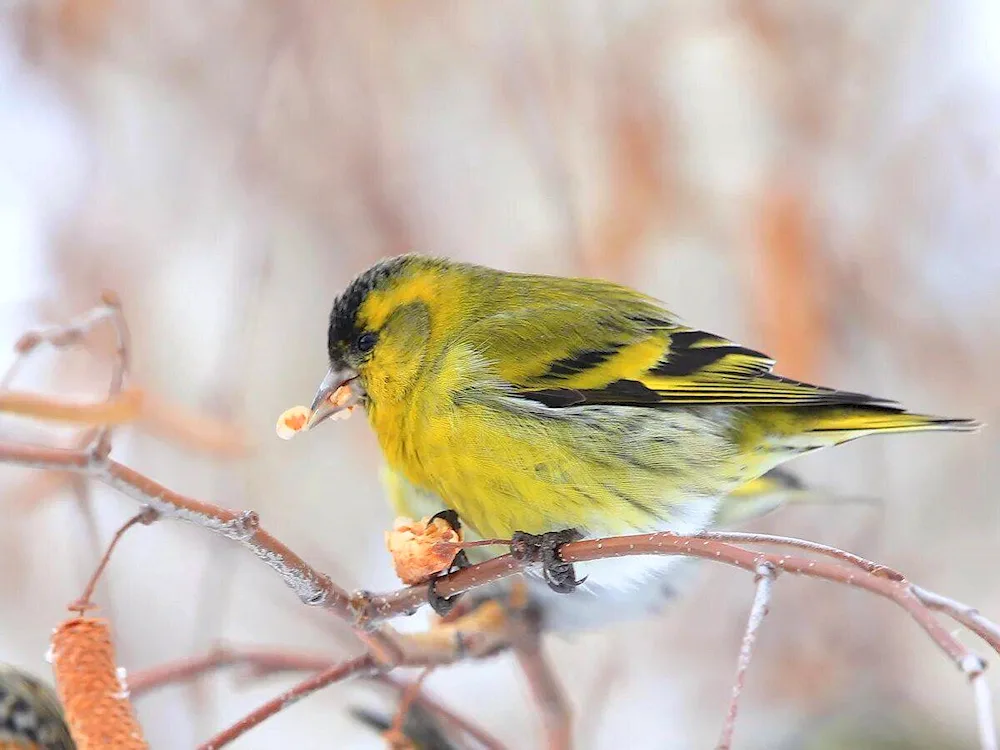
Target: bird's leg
column 440, row 604
column 544, row 548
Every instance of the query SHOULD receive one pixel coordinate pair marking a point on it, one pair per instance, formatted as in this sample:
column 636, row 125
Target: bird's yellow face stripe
column 382, row 303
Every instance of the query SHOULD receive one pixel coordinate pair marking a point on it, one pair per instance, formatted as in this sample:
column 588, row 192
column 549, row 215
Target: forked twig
column 263, row 662
column 408, row 696
column 483, row 738
column 545, row 688
column 101, row 446
column 353, row 667
column 961, row 613
column 122, row 408
column 761, row 601
column 81, row 605
column 744, row 537
column 984, row 705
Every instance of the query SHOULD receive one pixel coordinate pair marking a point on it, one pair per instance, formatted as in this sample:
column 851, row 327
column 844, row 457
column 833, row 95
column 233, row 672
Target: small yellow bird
column 539, row 405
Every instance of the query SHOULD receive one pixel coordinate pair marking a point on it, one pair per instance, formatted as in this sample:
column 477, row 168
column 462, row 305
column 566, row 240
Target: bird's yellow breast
column 505, row 471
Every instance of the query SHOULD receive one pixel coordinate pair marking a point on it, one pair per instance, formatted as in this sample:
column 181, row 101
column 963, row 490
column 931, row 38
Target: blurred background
column 816, row 179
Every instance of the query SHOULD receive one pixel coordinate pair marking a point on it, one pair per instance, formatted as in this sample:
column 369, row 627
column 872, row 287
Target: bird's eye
column 366, row 341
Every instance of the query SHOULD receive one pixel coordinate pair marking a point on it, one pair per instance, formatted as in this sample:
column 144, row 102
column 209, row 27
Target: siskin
column 31, row 716
column 559, row 407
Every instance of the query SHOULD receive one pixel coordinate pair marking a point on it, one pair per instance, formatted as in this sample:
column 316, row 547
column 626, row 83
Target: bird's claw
column 544, row 549
column 442, row 605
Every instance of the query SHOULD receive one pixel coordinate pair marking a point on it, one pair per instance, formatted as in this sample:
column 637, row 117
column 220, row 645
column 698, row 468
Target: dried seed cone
column 97, row 706
column 420, row 549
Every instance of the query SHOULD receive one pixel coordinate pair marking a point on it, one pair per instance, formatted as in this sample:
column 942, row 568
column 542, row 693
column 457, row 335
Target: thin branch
column 961, row 613
column 120, row 371
column 377, row 607
column 81, row 605
column 336, row 673
column 976, row 670
column 310, row 585
column 261, row 661
column 42, row 457
column 465, row 726
column 81, row 490
column 119, row 407
column 545, row 688
column 192, row 430
column 265, row 662
column 60, row 336
column 742, row 537
column 119, row 410
column 761, row 601
column 12, row 370
column 409, row 694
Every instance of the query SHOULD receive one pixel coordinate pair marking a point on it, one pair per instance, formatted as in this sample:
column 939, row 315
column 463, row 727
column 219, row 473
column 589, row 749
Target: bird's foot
column 440, row 604
column 544, row 549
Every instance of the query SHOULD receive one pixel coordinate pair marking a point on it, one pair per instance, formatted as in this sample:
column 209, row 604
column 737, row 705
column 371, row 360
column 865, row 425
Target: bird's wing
column 628, row 352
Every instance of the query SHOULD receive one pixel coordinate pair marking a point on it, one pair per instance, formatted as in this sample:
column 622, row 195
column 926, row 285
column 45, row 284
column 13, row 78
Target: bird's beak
column 323, row 407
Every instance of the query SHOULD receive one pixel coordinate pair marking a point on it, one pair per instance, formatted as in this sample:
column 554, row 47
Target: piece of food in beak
column 293, row 421
column 421, row 549
column 339, row 392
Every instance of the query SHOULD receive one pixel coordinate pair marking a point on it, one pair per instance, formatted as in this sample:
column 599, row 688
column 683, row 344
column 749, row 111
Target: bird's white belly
column 628, row 587
column 615, row 591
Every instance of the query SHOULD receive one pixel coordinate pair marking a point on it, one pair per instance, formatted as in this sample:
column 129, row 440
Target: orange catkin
column 95, row 698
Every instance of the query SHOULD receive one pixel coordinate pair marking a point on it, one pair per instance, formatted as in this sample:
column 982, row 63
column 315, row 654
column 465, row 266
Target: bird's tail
column 835, row 425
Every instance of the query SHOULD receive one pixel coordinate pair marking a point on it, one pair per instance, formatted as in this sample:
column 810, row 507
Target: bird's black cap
column 343, row 317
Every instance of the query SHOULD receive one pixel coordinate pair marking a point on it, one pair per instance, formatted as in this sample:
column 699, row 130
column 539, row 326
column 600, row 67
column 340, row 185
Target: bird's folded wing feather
column 630, row 352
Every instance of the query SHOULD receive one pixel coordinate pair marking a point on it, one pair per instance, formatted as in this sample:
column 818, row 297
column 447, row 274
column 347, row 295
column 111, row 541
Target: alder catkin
column 96, row 701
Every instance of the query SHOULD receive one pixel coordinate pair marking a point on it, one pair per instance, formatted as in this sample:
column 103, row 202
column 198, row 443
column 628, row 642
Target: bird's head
column 380, row 332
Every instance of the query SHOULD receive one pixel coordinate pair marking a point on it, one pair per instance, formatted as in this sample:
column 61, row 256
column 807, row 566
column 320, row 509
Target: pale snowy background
column 817, row 179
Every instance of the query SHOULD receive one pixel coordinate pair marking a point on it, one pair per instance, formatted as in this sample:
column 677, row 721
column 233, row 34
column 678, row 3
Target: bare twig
column 311, row 586
column 961, row 613
column 120, row 371
column 976, row 670
column 119, row 407
column 409, row 694
column 192, row 430
column 477, row 733
column 377, row 607
column 545, row 688
column 123, row 408
column 742, row 537
column 762, row 599
column 356, row 666
column 81, row 605
column 60, row 336
column 261, row 662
